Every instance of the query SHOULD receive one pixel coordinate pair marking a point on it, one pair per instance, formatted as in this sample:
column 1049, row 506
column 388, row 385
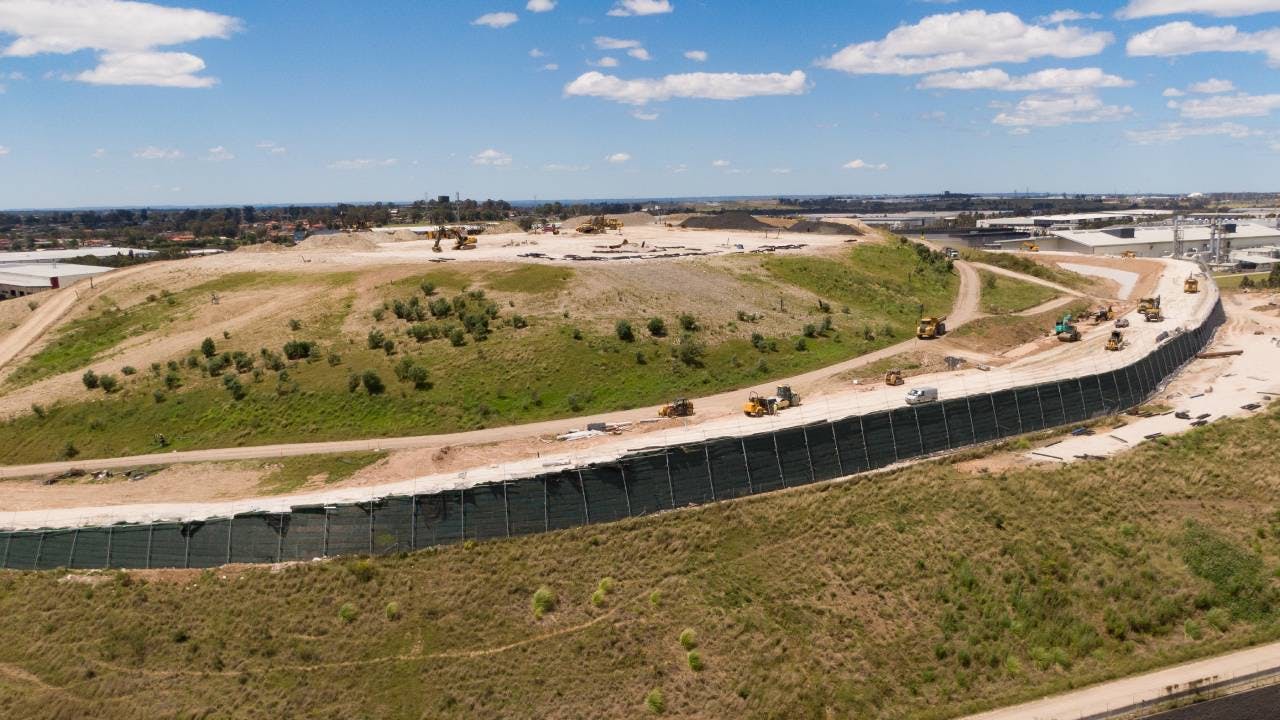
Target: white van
column 922, row 395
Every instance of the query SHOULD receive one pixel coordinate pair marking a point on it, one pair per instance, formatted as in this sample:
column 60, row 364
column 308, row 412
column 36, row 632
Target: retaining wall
column 637, row 484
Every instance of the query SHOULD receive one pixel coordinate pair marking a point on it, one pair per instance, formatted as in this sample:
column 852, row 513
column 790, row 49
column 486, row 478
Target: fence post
column 626, row 489
column 711, row 478
column 186, row 549
column 1062, row 400
column 370, row 527
column 893, row 438
column 586, row 505
column 813, row 477
column 746, row 463
column 280, row 539
column 995, row 417
column 110, row 532
column 230, row 524
column 915, row 415
column 462, row 503
column 71, row 556
column 946, row 426
column 671, row 487
column 1129, row 382
column 506, row 508
column 413, row 522
column 151, row 531
column 1044, row 421
column 1017, row 407
column 546, row 514
column 777, row 455
column 835, row 442
column 35, row 565
column 973, row 429
column 866, row 451
column 324, row 549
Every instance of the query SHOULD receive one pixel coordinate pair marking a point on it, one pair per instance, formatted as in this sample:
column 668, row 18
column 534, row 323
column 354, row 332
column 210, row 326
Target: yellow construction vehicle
column 1154, row 315
column 931, row 327
column 1105, row 314
column 612, row 224
column 599, row 224
column 758, row 406
column 1191, row 285
column 1147, row 304
column 1116, row 341
column 893, row 378
column 1129, row 254
column 1030, row 246
column 680, row 407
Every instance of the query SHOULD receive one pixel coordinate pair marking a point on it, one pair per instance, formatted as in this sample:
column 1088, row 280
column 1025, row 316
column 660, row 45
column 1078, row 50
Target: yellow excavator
column 1191, row 285
column 931, row 327
column 599, row 224
column 461, row 240
column 680, row 407
column 1116, row 341
column 893, row 378
column 1129, row 254
column 1030, row 246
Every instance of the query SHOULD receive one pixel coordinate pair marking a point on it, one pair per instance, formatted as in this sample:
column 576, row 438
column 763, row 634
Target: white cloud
column 964, row 39
column 536, row 53
column 1172, row 93
column 98, row 154
column 1225, row 106
column 362, row 164
column 677, row 169
column 861, row 164
column 219, row 154
column 1275, row 145
column 1217, row 8
column 540, row 6
column 639, row 53
column 617, row 158
column 3, row 151
column 627, row 8
column 1020, row 131
column 1054, row 110
column 781, row 171
column 1212, row 86
column 696, row 55
column 152, row 152
column 491, row 157
column 606, row 62
column 1059, row 79
column 561, row 167
column 643, row 115
column 720, row 163
column 608, row 43
column 551, row 66
column 707, row 86
column 125, row 34
column 271, row 147
column 1184, row 38
column 1173, row 132
column 496, row 20
column 1061, row 16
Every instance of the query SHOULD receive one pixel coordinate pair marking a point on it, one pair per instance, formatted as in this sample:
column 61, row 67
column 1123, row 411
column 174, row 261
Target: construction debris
column 1219, row 354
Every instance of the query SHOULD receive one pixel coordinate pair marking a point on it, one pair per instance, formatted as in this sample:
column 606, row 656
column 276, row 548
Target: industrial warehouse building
column 39, row 257
column 23, row 280
column 1158, row 241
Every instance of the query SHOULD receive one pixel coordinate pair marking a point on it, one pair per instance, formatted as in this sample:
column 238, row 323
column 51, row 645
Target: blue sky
column 204, row 102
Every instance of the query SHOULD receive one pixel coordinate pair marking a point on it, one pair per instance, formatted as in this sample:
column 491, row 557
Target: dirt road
column 1107, row 697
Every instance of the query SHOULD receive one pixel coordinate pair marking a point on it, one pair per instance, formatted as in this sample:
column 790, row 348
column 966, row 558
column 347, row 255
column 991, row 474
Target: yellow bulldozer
column 1030, row 246
column 758, row 405
column 893, row 378
column 1148, row 304
column 1116, row 341
column 1191, row 285
column 599, row 224
column 1129, row 254
column 680, row 407
column 931, row 327
column 1102, row 315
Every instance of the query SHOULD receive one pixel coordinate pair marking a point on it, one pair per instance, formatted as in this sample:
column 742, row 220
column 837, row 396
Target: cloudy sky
column 107, row 102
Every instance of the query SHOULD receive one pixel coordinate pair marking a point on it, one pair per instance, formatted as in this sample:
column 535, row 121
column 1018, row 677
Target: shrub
column 242, row 360
column 655, row 702
column 216, row 365
column 173, row 365
column 37, row 409
column 655, row 598
column 372, row 383
column 173, row 381
column 691, row 351
column 597, row 598
column 298, row 349
column 688, row 323
column 353, row 382
column 641, row 358
column 378, row 314
column 544, row 601
column 519, row 322
column 811, row 330
column 207, row 348
column 393, row 610
column 70, row 450
column 376, row 338
column 624, row 331
column 348, row 612
column 428, row 288
column 233, row 386
column 129, row 370
column 695, row 660
column 457, row 338
column 577, row 334
column 657, row 327
column 758, row 342
column 824, row 306
column 801, row 345
column 440, row 308
column 334, row 359
column 825, row 326
column 90, row 379
column 158, row 396
column 389, row 346
column 108, row 383
column 295, row 324
column 32, row 305
column 1219, row 619
column 688, row 639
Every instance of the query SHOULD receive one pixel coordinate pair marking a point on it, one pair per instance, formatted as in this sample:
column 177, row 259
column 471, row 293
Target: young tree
column 372, row 383
column 208, row 348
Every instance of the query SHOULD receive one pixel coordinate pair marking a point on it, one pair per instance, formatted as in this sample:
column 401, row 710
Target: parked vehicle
column 922, row 395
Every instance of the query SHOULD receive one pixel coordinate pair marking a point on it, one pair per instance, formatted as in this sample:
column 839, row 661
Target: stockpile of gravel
column 726, row 221
column 821, row 227
column 340, row 241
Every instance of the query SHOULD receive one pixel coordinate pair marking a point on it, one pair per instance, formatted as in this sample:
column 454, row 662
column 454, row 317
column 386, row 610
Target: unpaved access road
column 1107, row 697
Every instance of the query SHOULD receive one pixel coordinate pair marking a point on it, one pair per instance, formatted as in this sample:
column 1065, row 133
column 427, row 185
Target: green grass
column 531, row 279
column 290, row 473
column 919, row 594
column 537, row 373
column 1027, row 266
column 1001, row 332
column 1232, row 282
column 1002, row 295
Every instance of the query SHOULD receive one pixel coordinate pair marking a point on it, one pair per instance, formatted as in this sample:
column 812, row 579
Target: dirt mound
column 266, row 247
column 726, row 221
column 340, row 241
column 628, row 219
column 822, row 227
column 502, row 228
column 782, row 223
column 399, row 236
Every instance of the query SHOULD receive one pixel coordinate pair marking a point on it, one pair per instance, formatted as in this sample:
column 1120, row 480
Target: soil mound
column 628, row 219
column 266, row 247
column 339, row 241
column 821, row 227
column 502, row 228
column 726, row 221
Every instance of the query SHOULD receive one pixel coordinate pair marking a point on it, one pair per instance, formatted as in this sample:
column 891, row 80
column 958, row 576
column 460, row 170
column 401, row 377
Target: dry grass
column 923, row 593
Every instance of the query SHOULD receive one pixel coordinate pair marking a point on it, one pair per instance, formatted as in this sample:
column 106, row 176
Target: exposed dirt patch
column 726, row 221
column 339, row 241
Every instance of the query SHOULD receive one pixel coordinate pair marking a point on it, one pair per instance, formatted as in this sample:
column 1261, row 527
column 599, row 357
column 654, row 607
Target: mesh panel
column 647, row 482
column 486, row 510
column 393, row 530
column 823, row 452
column 129, row 546
column 1008, row 417
column 255, row 538
column 23, row 547
column 762, row 458
column 91, row 548
column 208, row 543
column 305, row 537
column 349, row 530
column 878, row 434
column 906, row 433
column 55, row 552
column 959, row 426
column 983, row 409
column 1029, row 412
column 1073, row 400
column 729, row 468
column 853, row 451
column 527, row 505
column 689, row 477
column 1051, row 403
column 566, row 507
column 794, row 456
column 933, row 427
column 168, row 546
column 439, row 519
column 1091, row 395
column 606, row 492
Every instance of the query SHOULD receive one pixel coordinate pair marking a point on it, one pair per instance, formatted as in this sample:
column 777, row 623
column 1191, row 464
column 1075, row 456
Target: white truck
column 922, row 395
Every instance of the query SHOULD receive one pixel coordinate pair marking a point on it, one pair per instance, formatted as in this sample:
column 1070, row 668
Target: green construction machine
column 1065, row 330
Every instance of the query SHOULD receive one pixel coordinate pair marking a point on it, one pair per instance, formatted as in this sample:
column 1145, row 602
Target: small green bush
column 544, row 601
column 295, row 325
column 129, row 370
column 655, row 702
column 90, row 379
column 657, row 327
column 695, row 661
column 688, row 323
column 655, row 598
column 393, row 610
column 348, row 613
column 108, row 383
column 376, row 338
column 688, row 639
column 372, row 383
column 624, row 331
column 207, row 348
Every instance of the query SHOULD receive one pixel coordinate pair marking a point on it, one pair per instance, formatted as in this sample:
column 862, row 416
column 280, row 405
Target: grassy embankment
column 1003, row 332
column 1002, row 295
column 923, row 593
column 1027, row 266
column 530, row 367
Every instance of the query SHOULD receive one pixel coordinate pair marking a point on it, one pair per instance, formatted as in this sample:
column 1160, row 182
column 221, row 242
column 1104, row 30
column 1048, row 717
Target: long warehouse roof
column 1164, row 234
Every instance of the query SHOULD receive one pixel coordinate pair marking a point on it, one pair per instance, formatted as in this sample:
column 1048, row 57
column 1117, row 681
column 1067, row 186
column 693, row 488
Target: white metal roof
column 52, row 270
column 39, row 256
column 1164, row 234
column 17, row 280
